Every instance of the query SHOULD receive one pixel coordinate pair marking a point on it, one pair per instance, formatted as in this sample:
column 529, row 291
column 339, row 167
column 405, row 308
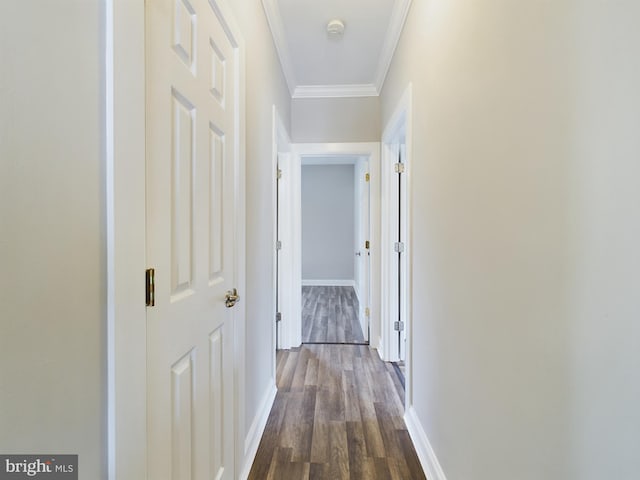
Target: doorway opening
column 328, row 208
column 335, row 222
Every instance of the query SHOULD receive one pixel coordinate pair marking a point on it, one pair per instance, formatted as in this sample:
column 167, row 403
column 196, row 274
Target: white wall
column 328, row 213
column 265, row 86
column 525, row 285
column 326, row 120
column 52, row 236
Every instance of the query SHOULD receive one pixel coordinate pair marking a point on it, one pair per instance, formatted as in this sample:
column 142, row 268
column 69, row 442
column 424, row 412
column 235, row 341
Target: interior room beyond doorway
column 335, row 220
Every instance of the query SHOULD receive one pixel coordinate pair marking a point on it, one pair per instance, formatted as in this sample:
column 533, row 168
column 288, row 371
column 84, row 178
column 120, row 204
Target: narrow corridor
column 337, row 415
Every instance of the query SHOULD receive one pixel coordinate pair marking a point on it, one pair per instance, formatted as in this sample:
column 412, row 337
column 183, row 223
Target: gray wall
column 325, row 120
column 525, row 286
column 52, row 237
column 327, row 222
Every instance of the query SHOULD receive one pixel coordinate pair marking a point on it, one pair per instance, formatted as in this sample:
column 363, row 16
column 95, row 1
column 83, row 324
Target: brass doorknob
column 231, row 298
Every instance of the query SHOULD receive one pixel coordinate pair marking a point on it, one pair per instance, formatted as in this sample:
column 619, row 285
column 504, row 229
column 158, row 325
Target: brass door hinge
column 367, row 312
column 367, row 245
column 150, row 287
column 367, row 177
column 399, row 167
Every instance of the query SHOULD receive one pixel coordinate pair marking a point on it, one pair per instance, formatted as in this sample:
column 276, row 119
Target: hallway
column 337, row 415
column 521, row 168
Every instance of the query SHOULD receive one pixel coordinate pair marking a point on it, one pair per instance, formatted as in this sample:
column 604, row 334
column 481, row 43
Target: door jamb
column 281, row 144
column 124, row 72
column 364, row 149
column 400, row 120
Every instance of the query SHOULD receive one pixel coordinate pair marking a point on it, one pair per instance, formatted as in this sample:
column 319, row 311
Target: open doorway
column 348, row 294
column 335, row 257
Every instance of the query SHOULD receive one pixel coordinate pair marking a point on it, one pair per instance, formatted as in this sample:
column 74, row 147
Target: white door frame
column 362, row 149
column 362, row 259
column 124, row 138
column 281, row 159
column 400, row 125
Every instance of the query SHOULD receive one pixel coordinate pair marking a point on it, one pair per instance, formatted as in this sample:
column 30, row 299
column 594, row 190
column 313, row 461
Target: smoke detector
column 335, row 28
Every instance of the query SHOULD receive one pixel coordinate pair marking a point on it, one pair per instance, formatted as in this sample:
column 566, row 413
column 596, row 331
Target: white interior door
column 285, row 287
column 396, row 267
column 279, row 261
column 363, row 254
column 192, row 223
column 402, row 255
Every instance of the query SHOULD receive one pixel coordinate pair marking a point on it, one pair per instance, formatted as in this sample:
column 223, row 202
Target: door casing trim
column 400, row 124
column 363, row 149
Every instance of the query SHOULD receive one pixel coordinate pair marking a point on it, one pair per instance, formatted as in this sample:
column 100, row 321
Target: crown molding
column 274, row 19
column 332, row 91
column 396, row 24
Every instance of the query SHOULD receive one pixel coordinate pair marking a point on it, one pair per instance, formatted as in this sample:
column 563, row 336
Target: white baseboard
column 329, row 283
column 252, row 440
column 357, row 290
column 362, row 317
column 380, row 348
column 426, row 455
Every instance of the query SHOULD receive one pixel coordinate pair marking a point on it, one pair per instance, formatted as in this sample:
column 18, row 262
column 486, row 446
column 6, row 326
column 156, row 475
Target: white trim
column 356, row 289
column 252, row 440
column 272, row 12
column 336, row 91
column 289, row 306
column 291, row 258
column 401, row 121
column 329, row 283
column 426, row 454
column 381, row 352
column 392, row 37
column 396, row 24
column 125, row 172
column 276, row 123
column 370, row 150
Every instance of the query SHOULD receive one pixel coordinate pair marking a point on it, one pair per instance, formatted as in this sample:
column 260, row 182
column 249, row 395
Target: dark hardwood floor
column 337, row 415
column 330, row 315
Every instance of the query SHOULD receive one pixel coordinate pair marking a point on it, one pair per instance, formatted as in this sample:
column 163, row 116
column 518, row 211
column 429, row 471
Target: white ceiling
column 316, row 65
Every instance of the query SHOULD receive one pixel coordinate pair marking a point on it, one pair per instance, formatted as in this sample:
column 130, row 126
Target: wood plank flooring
column 330, row 315
column 337, row 415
